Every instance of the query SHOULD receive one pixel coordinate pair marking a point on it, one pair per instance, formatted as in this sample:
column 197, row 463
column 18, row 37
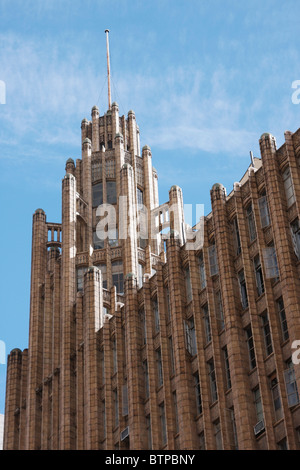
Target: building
column 147, row 334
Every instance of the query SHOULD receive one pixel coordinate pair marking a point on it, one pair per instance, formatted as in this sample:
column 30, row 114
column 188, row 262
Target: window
column 295, row 232
column 282, row 445
column 111, row 192
column 146, row 377
column 80, row 278
column 148, row 429
column 110, row 168
column 197, row 394
column 140, row 274
column 159, row 368
column 102, row 364
column 212, row 380
column 276, row 398
column 258, row 405
column 167, row 299
column 218, row 435
column 162, row 416
column 98, row 242
column 97, row 192
column 201, row 441
column 267, row 332
column 213, row 261
column 143, row 326
column 117, row 276
column 251, row 223
column 175, row 412
column 250, row 344
column 291, row 385
column 96, row 170
column 202, row 271
column 258, row 276
column 282, row 318
column 103, row 418
column 234, row 430
column 288, row 187
column 114, row 350
column 139, row 197
column 227, row 368
column 236, row 237
column 188, row 285
column 155, row 314
column 243, row 289
column 219, row 311
column 190, row 336
column 125, row 400
column 116, row 407
column 114, row 241
column 270, row 262
column 206, row 319
column 102, row 268
column 171, row 350
column 264, row 210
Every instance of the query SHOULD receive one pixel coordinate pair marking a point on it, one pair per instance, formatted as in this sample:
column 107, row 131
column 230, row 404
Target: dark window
column 155, row 314
column 111, row 192
column 288, row 187
column 163, row 423
column 276, row 398
column 267, row 332
column 213, row 381
column 258, row 276
column 202, row 271
column 227, row 368
column 98, row 242
column 295, row 231
column 250, row 344
column 283, row 321
column 213, row 260
column 236, row 237
column 251, row 223
column 139, row 196
column 190, row 336
column 159, row 367
column 291, row 385
column 243, row 289
column 117, row 275
column 206, row 319
column 264, row 210
column 97, row 194
column 198, row 394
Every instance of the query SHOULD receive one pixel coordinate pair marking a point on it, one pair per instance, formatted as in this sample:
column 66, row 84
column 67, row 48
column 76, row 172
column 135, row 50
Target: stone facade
column 150, row 339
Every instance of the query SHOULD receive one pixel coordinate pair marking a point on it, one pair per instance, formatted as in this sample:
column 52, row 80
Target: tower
column 141, row 338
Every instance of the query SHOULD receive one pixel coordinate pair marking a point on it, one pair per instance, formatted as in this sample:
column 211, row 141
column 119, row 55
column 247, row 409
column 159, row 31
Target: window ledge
column 269, row 356
column 252, row 370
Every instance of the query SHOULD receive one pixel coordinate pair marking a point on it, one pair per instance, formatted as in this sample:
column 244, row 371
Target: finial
column 108, row 68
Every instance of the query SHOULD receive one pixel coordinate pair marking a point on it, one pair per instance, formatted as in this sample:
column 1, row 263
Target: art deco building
column 159, row 336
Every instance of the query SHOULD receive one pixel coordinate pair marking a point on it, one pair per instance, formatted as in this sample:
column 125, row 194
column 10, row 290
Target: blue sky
column 205, row 79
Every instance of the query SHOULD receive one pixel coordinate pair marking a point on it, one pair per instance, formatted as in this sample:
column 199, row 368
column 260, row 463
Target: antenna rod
column 108, row 69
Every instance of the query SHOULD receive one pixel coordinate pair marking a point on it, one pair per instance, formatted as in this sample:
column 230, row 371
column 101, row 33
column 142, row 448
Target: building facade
column 147, row 334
